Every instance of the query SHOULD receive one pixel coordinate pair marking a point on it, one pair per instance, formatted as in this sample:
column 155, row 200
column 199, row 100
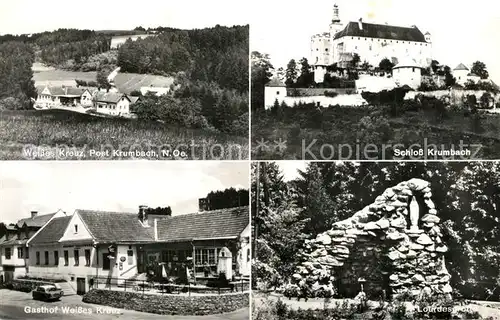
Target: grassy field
column 64, row 135
column 345, row 132
column 125, row 82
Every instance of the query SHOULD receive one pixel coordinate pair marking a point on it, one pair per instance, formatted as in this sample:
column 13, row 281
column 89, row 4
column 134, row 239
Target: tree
column 306, row 78
column 366, row 66
column 291, row 73
column 355, row 61
column 261, row 75
column 386, row 65
column 227, row 198
column 479, row 68
column 434, row 66
column 102, row 77
column 162, row 211
column 449, row 79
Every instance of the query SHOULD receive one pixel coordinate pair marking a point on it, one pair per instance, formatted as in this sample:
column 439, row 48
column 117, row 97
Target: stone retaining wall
column 27, row 285
column 168, row 304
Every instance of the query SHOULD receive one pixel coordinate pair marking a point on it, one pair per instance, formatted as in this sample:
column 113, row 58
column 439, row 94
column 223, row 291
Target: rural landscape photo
column 122, row 251
column 375, row 240
column 374, row 80
column 159, row 82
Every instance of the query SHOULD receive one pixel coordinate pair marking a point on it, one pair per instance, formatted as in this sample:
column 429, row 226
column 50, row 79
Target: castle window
column 326, row 49
column 277, row 92
column 413, row 69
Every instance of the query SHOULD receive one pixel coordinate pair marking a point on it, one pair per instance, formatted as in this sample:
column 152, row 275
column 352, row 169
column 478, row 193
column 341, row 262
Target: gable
column 46, row 91
column 81, row 231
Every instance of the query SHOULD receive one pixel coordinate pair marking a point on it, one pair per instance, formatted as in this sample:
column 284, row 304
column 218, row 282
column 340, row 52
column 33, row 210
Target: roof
column 12, row 242
column 133, row 99
column 275, row 82
column 381, row 31
column 407, row 62
column 224, row 223
column 52, row 232
column 62, row 91
column 37, row 221
column 105, row 226
column 109, row 97
column 461, row 66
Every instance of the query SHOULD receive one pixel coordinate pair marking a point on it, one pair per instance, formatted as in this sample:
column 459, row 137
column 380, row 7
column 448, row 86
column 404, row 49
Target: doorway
column 80, row 286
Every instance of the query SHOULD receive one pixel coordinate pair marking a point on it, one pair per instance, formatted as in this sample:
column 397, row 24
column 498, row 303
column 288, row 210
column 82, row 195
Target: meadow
column 357, row 127
column 125, row 82
column 89, row 138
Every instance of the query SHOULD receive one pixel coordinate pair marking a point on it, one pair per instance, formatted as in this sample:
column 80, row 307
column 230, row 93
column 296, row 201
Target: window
column 87, row 257
column 27, row 253
column 76, row 228
column 66, row 257
column 8, row 253
column 248, row 255
column 20, row 252
column 130, row 257
column 38, row 257
column 76, row 255
column 277, row 93
column 413, row 69
column 326, row 49
column 46, row 255
column 56, row 258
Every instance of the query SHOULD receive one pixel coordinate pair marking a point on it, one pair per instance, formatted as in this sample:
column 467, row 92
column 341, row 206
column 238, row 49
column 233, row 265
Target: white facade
column 158, row 91
column 338, row 46
column 407, row 75
column 121, row 107
column 243, row 259
column 272, row 93
column 86, row 99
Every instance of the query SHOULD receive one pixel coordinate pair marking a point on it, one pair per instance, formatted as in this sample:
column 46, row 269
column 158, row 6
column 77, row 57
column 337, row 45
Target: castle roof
column 461, row 66
column 407, row 62
column 381, row 31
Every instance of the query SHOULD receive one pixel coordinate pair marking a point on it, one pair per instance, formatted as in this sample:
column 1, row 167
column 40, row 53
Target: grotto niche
column 393, row 245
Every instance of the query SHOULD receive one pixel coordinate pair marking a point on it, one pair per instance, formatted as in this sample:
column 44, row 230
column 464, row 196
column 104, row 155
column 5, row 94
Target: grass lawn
column 34, row 134
column 370, row 133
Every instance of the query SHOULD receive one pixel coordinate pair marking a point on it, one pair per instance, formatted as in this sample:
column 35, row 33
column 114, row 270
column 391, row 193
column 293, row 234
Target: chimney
column 360, row 23
column 202, row 204
column 34, row 214
column 143, row 215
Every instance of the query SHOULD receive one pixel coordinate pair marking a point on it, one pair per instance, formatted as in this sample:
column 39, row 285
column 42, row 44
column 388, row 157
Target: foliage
column 291, row 73
column 218, row 54
column 228, row 198
column 466, row 194
column 164, row 211
column 306, row 77
column 449, row 80
column 386, row 65
column 479, row 68
column 261, row 75
column 16, row 75
column 83, row 132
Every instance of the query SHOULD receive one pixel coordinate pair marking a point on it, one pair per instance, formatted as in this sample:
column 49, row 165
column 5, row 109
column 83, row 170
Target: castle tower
column 335, row 26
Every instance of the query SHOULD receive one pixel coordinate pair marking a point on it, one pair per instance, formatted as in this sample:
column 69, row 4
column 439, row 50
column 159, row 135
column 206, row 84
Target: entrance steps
column 67, row 288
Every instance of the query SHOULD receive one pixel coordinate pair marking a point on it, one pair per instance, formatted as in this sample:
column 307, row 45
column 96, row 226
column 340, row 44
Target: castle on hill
column 372, row 42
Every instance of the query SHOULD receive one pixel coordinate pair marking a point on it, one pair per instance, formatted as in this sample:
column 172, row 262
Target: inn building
column 125, row 246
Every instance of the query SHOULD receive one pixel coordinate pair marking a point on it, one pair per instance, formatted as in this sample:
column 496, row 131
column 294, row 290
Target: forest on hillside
column 466, row 194
column 210, row 67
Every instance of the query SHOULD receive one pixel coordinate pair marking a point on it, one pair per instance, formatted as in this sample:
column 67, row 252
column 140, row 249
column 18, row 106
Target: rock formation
column 395, row 253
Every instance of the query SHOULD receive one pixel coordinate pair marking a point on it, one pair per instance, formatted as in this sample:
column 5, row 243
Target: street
column 20, row 305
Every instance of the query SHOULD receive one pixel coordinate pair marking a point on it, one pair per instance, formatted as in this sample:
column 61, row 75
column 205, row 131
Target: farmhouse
column 13, row 251
column 118, row 245
column 156, row 90
column 112, row 103
column 50, row 97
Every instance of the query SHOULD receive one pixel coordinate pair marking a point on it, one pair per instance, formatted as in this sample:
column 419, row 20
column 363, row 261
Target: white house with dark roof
column 372, row 42
column 111, row 103
column 53, row 96
column 407, row 72
column 274, row 90
column 13, row 250
column 120, row 246
column 462, row 74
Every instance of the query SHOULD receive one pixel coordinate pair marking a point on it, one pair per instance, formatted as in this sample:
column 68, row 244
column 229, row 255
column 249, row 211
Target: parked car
column 47, row 293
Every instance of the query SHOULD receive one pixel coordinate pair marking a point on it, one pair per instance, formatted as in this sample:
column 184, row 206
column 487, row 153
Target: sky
column 46, row 186
column 461, row 31
column 31, row 16
column 290, row 168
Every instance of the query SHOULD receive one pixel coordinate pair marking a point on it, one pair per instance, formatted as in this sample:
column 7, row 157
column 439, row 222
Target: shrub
column 331, row 94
